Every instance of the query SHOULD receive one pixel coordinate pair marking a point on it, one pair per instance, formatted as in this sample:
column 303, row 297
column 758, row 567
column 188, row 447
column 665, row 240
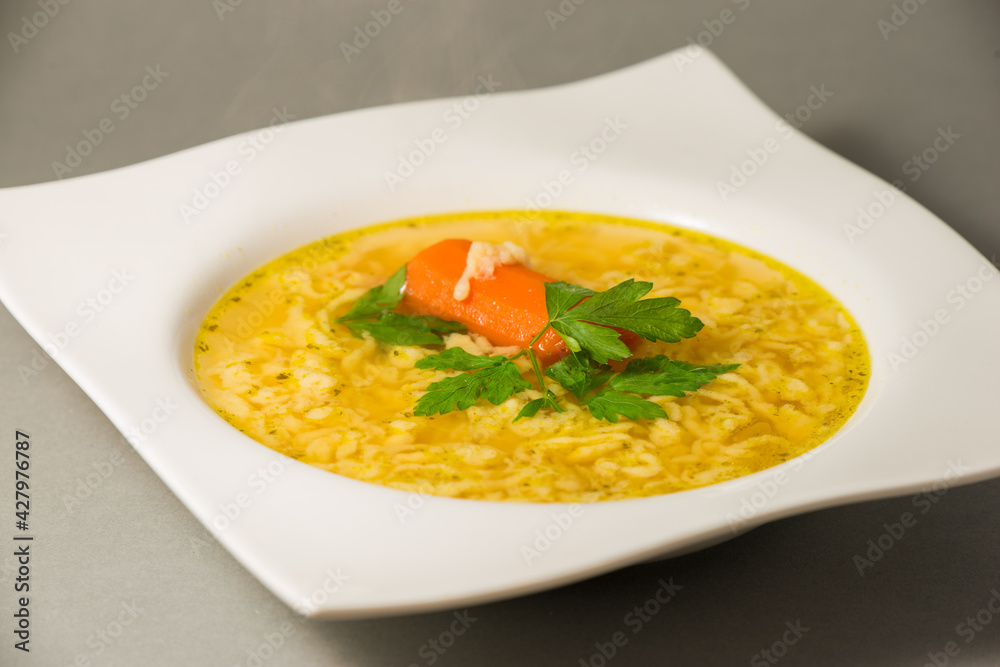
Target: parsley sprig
column 620, row 307
column 587, row 322
column 584, row 319
column 372, row 314
column 608, row 394
column 495, row 378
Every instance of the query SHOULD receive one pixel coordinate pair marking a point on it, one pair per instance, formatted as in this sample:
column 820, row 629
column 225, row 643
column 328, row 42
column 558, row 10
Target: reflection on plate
column 113, row 273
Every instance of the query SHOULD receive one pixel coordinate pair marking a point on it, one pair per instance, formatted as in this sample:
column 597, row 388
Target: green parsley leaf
column 496, row 382
column 441, row 326
column 397, row 329
column 620, row 307
column 560, row 297
column 660, row 376
column 378, row 299
column 457, row 359
column 372, row 314
column 531, row 408
column 577, row 375
column 608, row 404
column 601, row 343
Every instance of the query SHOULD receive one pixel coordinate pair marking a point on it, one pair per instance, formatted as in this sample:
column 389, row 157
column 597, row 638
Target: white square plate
column 112, row 275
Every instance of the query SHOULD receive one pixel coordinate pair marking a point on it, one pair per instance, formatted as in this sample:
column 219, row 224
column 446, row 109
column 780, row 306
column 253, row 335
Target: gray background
column 131, row 542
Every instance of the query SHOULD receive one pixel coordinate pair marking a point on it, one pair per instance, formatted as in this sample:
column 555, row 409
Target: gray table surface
column 126, row 576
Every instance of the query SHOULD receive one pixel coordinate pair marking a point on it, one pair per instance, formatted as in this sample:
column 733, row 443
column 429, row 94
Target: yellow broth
column 271, row 362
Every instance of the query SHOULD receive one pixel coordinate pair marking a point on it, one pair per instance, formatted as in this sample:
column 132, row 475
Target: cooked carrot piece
column 507, row 309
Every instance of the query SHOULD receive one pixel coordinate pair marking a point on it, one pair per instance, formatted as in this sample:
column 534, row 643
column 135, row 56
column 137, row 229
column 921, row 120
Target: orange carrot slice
column 507, row 309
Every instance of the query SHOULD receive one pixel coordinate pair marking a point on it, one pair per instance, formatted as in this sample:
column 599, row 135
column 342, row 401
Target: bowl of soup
column 273, row 361
column 860, row 361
